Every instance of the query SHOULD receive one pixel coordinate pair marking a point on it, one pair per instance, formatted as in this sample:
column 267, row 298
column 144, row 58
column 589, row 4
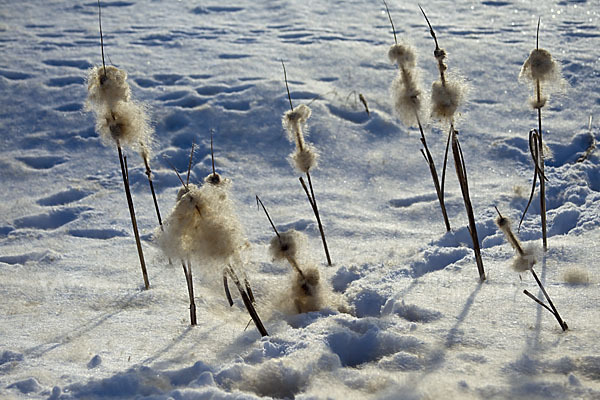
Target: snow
column 405, row 315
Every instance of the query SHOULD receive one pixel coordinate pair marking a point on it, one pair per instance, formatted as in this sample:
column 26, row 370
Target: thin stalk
column 259, row 201
column 313, row 202
column 461, row 173
column 247, row 302
column 125, row 174
column 391, row 22
column 101, row 37
column 443, row 185
column 541, row 167
column 286, row 86
column 187, row 270
column 226, row 287
column 149, row 175
column 187, row 181
column 562, row 323
column 434, row 175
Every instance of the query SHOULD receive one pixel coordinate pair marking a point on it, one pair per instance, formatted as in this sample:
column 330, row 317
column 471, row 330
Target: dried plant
column 410, row 104
column 120, row 121
column 524, row 261
column 543, row 73
column 305, row 156
column 447, row 95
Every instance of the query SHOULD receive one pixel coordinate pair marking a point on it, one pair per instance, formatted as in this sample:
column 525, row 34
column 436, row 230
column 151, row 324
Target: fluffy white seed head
column 202, row 226
column 408, row 97
column 294, row 122
column 526, row 261
column 445, row 99
column 304, row 159
column 306, row 291
column 126, row 123
column 107, row 89
column 540, row 66
column 403, row 55
column 286, row 245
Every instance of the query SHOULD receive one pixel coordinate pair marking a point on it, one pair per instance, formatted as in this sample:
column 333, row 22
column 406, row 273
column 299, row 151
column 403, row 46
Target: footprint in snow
column 42, row 162
column 49, row 220
column 64, row 197
column 80, row 64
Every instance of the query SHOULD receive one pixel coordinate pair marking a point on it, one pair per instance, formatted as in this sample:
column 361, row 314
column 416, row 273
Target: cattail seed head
column 286, row 245
column 126, row 123
column 524, row 262
column 408, row 98
column 304, row 159
column 403, row 55
column 540, row 66
column 446, row 98
column 306, row 291
column 293, row 120
column 107, row 89
column 202, row 226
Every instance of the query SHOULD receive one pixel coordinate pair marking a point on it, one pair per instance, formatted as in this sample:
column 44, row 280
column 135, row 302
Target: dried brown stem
column 313, row 203
column 461, row 173
column 247, row 302
column 125, row 174
column 554, row 311
column 434, row 175
column 286, row 86
column 149, row 175
column 391, row 22
column 187, row 270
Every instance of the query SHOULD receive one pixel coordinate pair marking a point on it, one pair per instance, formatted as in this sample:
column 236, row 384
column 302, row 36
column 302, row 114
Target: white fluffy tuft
column 445, row 99
column 525, row 262
column 408, row 99
column 306, row 291
column 107, row 89
column 305, row 159
column 202, row 226
column 126, row 123
column 286, row 245
column 403, row 55
column 540, row 66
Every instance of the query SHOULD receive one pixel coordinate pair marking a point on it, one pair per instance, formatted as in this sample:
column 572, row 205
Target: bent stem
column 125, row 174
column 313, row 203
column 541, row 169
column 245, row 298
column 553, row 309
column 434, row 175
column 187, row 270
column 461, row 174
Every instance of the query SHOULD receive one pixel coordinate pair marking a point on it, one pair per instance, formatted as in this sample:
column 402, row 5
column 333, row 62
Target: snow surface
column 75, row 321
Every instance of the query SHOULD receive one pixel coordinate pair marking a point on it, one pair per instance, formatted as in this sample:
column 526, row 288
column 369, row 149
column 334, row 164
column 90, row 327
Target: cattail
column 544, row 75
column 541, row 67
column 120, row 121
column 126, row 124
column 524, row 258
column 409, row 104
column 285, row 245
column 447, row 97
column 524, row 261
column 294, row 121
column 304, row 158
column 107, row 86
column 447, row 94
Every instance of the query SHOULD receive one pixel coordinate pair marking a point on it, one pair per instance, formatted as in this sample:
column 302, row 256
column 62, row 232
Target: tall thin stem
column 434, row 175
column 541, row 168
column 313, row 202
column 461, row 173
column 101, row 37
column 187, row 270
column 125, row 175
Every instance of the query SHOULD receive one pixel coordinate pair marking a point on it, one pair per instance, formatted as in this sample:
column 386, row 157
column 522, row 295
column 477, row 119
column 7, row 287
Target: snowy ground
column 75, row 321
